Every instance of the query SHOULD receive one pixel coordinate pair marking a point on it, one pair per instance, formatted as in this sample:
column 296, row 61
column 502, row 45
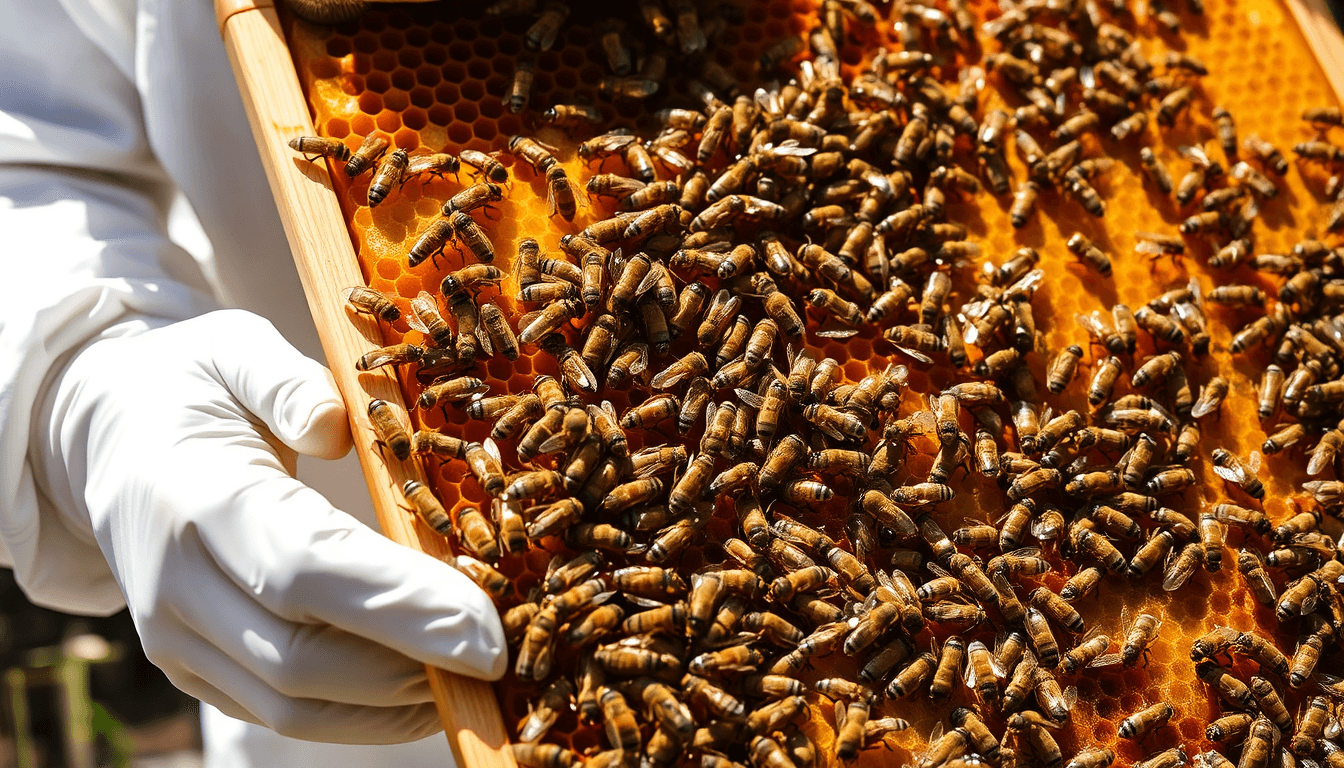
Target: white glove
column 249, row 589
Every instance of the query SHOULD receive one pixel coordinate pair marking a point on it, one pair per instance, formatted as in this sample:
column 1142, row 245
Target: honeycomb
column 432, row 77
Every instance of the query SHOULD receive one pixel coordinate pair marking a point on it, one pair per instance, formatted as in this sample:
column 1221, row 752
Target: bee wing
column 791, row 148
column 937, row 570
column 1232, row 474
column 413, row 320
column 750, row 398
column 840, row 333
column 840, row 711
column 1088, row 77
column 1093, row 324
column 492, row 450
column 968, row 672
column 1195, row 154
column 831, row 431
column 610, row 410
column 1253, row 462
column 641, row 363
column 1148, row 246
column 922, row 421
column 1105, row 660
column 916, row 354
column 483, row 340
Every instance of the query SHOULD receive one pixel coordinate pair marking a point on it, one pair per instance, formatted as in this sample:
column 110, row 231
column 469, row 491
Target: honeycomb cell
column 388, row 121
column 338, row 128
column 370, row 103
column 361, row 124
column 403, row 79
column 459, row 133
column 384, row 61
column 391, row 40
column 460, row 50
column 417, row 38
column 396, row 100
column 439, row 114
column 365, row 43
column 415, row 119
column 377, row 82
column 434, row 54
column 483, row 48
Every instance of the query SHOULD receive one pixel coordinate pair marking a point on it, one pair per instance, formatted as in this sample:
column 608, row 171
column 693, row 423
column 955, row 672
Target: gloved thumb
column 293, row 395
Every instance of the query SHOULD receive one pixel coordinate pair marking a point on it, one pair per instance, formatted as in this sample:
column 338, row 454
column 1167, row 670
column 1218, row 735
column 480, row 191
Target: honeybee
column 487, row 165
column 389, row 428
column 450, row 388
column 396, row 354
column 571, row 115
column 539, row 755
column 544, row 31
column 1092, row 757
column 314, row 147
column 372, row 148
column 1231, row 469
column 1089, row 254
column 1145, row 721
column 1084, row 654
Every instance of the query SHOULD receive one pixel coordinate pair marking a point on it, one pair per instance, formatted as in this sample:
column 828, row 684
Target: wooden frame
column 326, row 261
column 327, row 264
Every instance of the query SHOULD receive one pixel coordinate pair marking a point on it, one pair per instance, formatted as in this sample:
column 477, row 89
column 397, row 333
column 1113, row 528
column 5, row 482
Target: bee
column 447, row 388
column 1155, row 170
column 485, row 464
column 1229, row 688
column 314, row 147
column 1085, row 653
column 1132, row 125
column 1227, row 466
column 1267, row 153
column 389, row 428
column 909, row 679
column 569, row 115
column 531, row 755
column 396, row 354
column 1151, row 552
column 1173, row 104
column 1092, row 757
column 1311, row 726
column 1259, row 183
column 1146, row 720
column 1089, row 254
column 541, row 36
column 487, row 165
column 494, row 583
column 372, row 148
column 1139, row 636
column 473, row 197
column 1171, row 758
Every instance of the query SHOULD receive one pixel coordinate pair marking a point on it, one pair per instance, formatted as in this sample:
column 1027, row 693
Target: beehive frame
column 318, row 233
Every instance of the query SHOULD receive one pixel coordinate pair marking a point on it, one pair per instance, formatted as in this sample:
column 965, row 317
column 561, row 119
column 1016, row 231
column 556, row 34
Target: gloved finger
column 210, row 675
column 308, row 562
column 309, row 661
column 295, row 396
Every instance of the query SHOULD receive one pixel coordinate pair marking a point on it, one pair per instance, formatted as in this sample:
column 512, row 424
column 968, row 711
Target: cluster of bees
column 828, row 192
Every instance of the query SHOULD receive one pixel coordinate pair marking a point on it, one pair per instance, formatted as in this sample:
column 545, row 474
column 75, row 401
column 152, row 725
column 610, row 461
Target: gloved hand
column 249, row 589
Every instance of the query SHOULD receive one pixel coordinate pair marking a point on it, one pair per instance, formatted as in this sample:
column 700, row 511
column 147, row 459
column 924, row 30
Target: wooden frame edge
column 325, row 257
column 1323, row 35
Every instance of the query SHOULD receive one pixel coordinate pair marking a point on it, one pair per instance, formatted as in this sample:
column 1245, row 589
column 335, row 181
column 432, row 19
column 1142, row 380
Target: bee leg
column 443, row 408
column 490, row 208
column 1145, row 658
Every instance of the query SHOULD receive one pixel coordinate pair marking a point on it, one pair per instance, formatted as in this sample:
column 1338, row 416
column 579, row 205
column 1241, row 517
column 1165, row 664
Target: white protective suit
column 111, row 110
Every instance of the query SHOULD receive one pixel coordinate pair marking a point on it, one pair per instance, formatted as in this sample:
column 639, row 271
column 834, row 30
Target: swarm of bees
column 828, row 191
